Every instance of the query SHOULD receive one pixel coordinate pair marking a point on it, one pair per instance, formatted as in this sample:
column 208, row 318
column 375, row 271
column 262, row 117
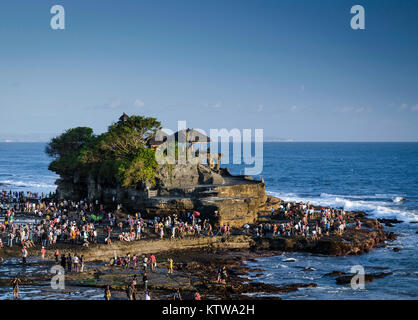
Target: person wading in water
column 15, row 284
column 24, row 255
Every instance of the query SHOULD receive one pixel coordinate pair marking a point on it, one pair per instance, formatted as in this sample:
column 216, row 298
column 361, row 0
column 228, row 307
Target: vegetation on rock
column 119, row 155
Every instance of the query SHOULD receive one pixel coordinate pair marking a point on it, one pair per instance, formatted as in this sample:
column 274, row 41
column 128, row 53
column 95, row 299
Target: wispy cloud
column 118, row 104
column 109, row 105
column 260, row 108
column 403, row 106
column 139, row 103
column 354, row 109
column 217, row 105
column 293, row 108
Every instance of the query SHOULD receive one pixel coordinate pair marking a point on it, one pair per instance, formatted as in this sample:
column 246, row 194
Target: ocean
column 378, row 178
column 24, row 167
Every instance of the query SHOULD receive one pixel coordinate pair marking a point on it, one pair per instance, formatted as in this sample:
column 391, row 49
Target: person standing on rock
column 57, row 253
column 218, row 275
column 24, row 255
column 153, row 262
column 144, row 263
column 131, row 292
column 107, row 293
column 177, row 295
column 43, row 253
column 81, row 260
column 161, row 232
column 75, row 262
column 145, row 280
column 170, row 265
column 224, row 275
column 63, row 261
column 69, row 262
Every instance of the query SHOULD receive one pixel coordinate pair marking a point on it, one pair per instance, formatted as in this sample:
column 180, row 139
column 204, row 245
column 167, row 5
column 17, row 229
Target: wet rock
column 351, row 242
column 371, row 223
column 346, row 279
column 392, row 236
column 390, row 221
column 295, row 286
column 334, row 274
column 397, row 249
column 308, row 269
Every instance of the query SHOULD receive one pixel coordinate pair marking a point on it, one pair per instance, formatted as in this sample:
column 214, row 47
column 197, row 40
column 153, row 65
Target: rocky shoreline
column 196, row 260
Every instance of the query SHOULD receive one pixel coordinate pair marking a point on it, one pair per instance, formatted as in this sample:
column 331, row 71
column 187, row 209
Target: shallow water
column 36, row 268
column 403, row 284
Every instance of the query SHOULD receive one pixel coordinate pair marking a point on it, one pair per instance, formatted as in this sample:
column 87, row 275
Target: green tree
column 66, row 148
column 118, row 155
column 125, row 138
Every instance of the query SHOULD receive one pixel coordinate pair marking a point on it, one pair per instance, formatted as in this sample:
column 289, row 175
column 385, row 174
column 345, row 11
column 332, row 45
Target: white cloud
column 218, row 105
column 260, row 108
column 113, row 104
column 414, row 108
column 139, row 103
column 403, row 106
column 293, row 108
column 355, row 110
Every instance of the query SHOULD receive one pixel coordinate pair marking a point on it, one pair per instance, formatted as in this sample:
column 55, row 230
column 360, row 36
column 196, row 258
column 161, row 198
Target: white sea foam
column 377, row 208
column 28, row 184
column 398, row 199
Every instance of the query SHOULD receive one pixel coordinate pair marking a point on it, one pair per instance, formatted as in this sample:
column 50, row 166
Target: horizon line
column 266, row 141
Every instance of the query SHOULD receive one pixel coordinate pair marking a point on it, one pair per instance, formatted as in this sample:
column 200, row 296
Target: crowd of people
column 86, row 222
column 299, row 219
column 81, row 223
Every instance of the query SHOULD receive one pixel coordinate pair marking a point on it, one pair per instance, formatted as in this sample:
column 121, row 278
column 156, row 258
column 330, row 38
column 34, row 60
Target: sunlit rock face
column 217, row 195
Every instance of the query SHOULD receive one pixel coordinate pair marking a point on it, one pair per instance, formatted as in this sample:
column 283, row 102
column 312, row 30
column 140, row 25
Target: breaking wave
column 378, row 205
column 28, row 184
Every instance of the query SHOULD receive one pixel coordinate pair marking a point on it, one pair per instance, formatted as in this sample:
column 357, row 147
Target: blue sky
column 293, row 68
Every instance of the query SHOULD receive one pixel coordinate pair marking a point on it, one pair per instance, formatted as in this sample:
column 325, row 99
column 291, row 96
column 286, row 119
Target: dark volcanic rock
column 295, row 286
column 334, row 274
column 397, row 249
column 308, row 269
column 351, row 242
column 390, row 221
column 392, row 236
column 346, row 279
